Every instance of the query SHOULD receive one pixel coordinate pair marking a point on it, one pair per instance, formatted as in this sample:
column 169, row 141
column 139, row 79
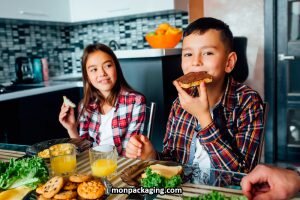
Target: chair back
column 262, row 139
column 150, row 114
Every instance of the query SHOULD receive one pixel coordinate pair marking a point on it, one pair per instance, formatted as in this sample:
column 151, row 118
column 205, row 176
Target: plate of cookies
column 41, row 149
column 77, row 186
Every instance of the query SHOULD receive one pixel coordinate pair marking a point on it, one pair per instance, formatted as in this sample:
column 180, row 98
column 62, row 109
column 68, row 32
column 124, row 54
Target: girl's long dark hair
column 91, row 94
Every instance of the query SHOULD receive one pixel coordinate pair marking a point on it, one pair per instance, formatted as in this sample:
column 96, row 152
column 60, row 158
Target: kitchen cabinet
column 46, row 10
column 101, row 9
column 80, row 10
column 34, row 118
column 153, row 77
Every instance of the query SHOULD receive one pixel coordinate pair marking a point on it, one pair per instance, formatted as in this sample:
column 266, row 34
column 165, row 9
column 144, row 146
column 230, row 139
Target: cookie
column 41, row 197
column 40, row 189
column 70, row 186
column 53, row 186
column 66, row 195
column 91, row 190
column 79, row 178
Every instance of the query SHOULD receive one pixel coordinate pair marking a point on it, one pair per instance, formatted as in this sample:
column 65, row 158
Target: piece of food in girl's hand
column 161, row 176
column 68, row 102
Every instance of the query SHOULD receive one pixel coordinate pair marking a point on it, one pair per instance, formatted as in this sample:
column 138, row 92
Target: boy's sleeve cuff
column 209, row 134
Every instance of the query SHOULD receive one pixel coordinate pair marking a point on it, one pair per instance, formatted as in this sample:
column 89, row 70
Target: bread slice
column 165, row 171
column 68, row 102
column 193, row 79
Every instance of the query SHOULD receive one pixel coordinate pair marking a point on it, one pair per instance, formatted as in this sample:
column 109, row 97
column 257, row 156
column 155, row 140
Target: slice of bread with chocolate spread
column 193, row 79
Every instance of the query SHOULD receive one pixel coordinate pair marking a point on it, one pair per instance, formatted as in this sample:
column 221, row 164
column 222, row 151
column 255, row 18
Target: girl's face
column 101, row 71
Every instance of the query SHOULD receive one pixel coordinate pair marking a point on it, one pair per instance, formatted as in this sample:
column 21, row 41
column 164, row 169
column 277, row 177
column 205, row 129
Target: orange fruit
column 160, row 31
column 164, row 26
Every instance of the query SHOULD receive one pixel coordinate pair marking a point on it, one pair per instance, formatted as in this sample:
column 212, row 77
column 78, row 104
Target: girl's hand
column 196, row 106
column 67, row 117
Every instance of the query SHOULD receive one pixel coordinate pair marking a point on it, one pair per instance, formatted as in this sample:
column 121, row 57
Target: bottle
column 37, row 70
column 45, row 69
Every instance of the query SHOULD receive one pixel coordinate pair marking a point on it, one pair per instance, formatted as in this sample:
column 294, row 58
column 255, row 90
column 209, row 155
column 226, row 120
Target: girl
column 111, row 111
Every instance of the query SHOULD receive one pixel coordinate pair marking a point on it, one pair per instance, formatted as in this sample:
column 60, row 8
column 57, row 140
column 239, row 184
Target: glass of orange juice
column 103, row 160
column 63, row 159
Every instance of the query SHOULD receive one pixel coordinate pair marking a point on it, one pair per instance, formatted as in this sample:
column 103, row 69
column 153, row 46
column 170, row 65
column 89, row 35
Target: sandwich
column 193, row 79
column 68, row 102
column 165, row 171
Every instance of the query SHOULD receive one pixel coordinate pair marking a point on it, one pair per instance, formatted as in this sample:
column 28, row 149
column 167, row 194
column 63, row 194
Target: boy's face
column 206, row 52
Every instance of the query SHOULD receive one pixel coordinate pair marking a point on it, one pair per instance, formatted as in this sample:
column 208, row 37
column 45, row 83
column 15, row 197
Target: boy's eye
column 207, row 53
column 187, row 54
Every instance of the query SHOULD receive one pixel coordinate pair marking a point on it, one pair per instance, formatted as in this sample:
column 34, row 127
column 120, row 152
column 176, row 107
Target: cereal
column 57, row 149
column 44, row 154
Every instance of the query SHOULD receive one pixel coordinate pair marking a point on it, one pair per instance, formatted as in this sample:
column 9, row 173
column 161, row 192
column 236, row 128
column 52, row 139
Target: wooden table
column 5, row 155
column 83, row 166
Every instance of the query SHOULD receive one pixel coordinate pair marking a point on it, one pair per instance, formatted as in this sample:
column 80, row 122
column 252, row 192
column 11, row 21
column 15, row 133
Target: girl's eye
column 187, row 54
column 93, row 70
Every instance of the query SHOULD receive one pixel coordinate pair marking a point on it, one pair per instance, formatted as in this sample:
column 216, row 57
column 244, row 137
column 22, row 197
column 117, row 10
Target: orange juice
column 63, row 164
column 104, row 167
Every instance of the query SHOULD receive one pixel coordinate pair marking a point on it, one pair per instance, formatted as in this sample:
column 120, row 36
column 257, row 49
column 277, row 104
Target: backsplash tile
column 63, row 44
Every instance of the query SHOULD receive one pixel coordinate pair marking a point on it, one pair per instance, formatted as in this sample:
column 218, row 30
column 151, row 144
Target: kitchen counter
column 147, row 53
column 127, row 54
column 41, row 88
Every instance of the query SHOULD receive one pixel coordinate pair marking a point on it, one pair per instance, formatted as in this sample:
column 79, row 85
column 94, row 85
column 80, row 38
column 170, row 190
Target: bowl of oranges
column 164, row 36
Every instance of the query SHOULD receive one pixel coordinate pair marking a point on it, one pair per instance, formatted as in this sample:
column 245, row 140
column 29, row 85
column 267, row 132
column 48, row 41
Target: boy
column 218, row 125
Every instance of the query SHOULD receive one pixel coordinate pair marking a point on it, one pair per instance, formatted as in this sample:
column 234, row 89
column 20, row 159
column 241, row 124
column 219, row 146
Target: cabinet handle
column 284, row 57
column 22, row 12
column 119, row 10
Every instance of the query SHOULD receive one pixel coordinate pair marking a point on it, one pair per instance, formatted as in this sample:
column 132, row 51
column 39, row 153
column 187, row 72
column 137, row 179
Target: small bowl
column 163, row 41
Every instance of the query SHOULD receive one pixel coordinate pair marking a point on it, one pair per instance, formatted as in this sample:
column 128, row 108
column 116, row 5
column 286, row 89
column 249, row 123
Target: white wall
column 245, row 18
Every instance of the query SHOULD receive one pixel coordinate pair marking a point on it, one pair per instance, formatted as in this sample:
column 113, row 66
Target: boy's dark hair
column 203, row 24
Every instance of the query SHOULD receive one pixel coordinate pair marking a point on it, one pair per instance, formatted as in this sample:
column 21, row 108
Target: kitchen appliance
column 29, row 70
column 24, row 70
column 37, row 70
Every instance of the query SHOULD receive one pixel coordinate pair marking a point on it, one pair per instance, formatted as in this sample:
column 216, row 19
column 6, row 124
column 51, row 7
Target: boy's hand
column 139, row 146
column 196, row 106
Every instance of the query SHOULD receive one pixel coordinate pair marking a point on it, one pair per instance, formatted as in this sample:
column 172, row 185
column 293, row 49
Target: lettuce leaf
column 158, row 181
column 3, row 166
column 214, row 195
column 27, row 171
